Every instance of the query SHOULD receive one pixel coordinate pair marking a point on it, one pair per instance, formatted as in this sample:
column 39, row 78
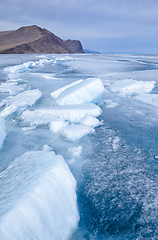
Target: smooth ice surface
column 151, row 99
column 38, row 198
column 74, row 132
column 56, row 93
column 132, row 87
column 69, row 113
column 89, row 90
column 2, row 132
column 20, row 101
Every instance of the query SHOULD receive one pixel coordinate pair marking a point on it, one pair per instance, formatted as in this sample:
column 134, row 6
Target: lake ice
column 78, row 147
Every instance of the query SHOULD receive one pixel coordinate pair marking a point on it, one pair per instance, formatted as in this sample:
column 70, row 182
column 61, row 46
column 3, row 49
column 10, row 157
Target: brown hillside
column 33, row 39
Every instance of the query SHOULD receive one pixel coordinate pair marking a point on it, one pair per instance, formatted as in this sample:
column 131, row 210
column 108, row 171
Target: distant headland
column 33, row 39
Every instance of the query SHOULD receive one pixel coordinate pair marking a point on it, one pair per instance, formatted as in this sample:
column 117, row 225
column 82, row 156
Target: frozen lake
column 78, row 147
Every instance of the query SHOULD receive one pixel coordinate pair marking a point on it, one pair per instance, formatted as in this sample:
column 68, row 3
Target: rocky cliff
column 33, row 39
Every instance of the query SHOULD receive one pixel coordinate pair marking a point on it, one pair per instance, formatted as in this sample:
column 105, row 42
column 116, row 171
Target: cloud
column 84, row 19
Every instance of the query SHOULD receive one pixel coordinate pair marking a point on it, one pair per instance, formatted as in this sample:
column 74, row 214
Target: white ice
column 74, row 132
column 115, row 143
column 110, row 104
column 26, row 66
column 56, row 93
column 150, row 99
column 2, row 132
column 89, row 90
column 57, row 125
column 90, row 121
column 132, row 87
column 75, row 151
column 65, row 113
column 38, row 198
column 12, row 87
column 20, row 101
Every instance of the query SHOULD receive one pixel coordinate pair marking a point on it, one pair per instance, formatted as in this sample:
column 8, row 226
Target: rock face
column 33, row 39
column 74, row 46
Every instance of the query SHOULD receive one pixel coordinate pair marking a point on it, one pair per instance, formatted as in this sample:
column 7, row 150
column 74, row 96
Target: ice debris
column 12, row 87
column 74, row 132
column 64, row 113
column 75, row 151
column 20, row 101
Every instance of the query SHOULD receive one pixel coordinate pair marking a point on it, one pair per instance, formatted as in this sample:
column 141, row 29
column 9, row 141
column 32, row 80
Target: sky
column 109, row 26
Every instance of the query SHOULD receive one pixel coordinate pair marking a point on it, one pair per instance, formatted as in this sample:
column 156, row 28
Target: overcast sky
column 102, row 25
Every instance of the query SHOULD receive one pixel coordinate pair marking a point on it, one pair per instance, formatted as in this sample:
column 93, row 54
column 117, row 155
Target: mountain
column 33, row 39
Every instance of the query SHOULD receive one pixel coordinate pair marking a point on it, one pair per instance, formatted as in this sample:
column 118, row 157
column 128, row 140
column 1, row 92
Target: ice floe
column 65, row 113
column 90, row 121
column 20, row 101
column 14, row 72
column 2, row 132
column 74, row 132
column 89, row 90
column 132, row 87
column 44, row 205
column 56, row 93
column 56, row 126
column 26, row 66
column 12, row 87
